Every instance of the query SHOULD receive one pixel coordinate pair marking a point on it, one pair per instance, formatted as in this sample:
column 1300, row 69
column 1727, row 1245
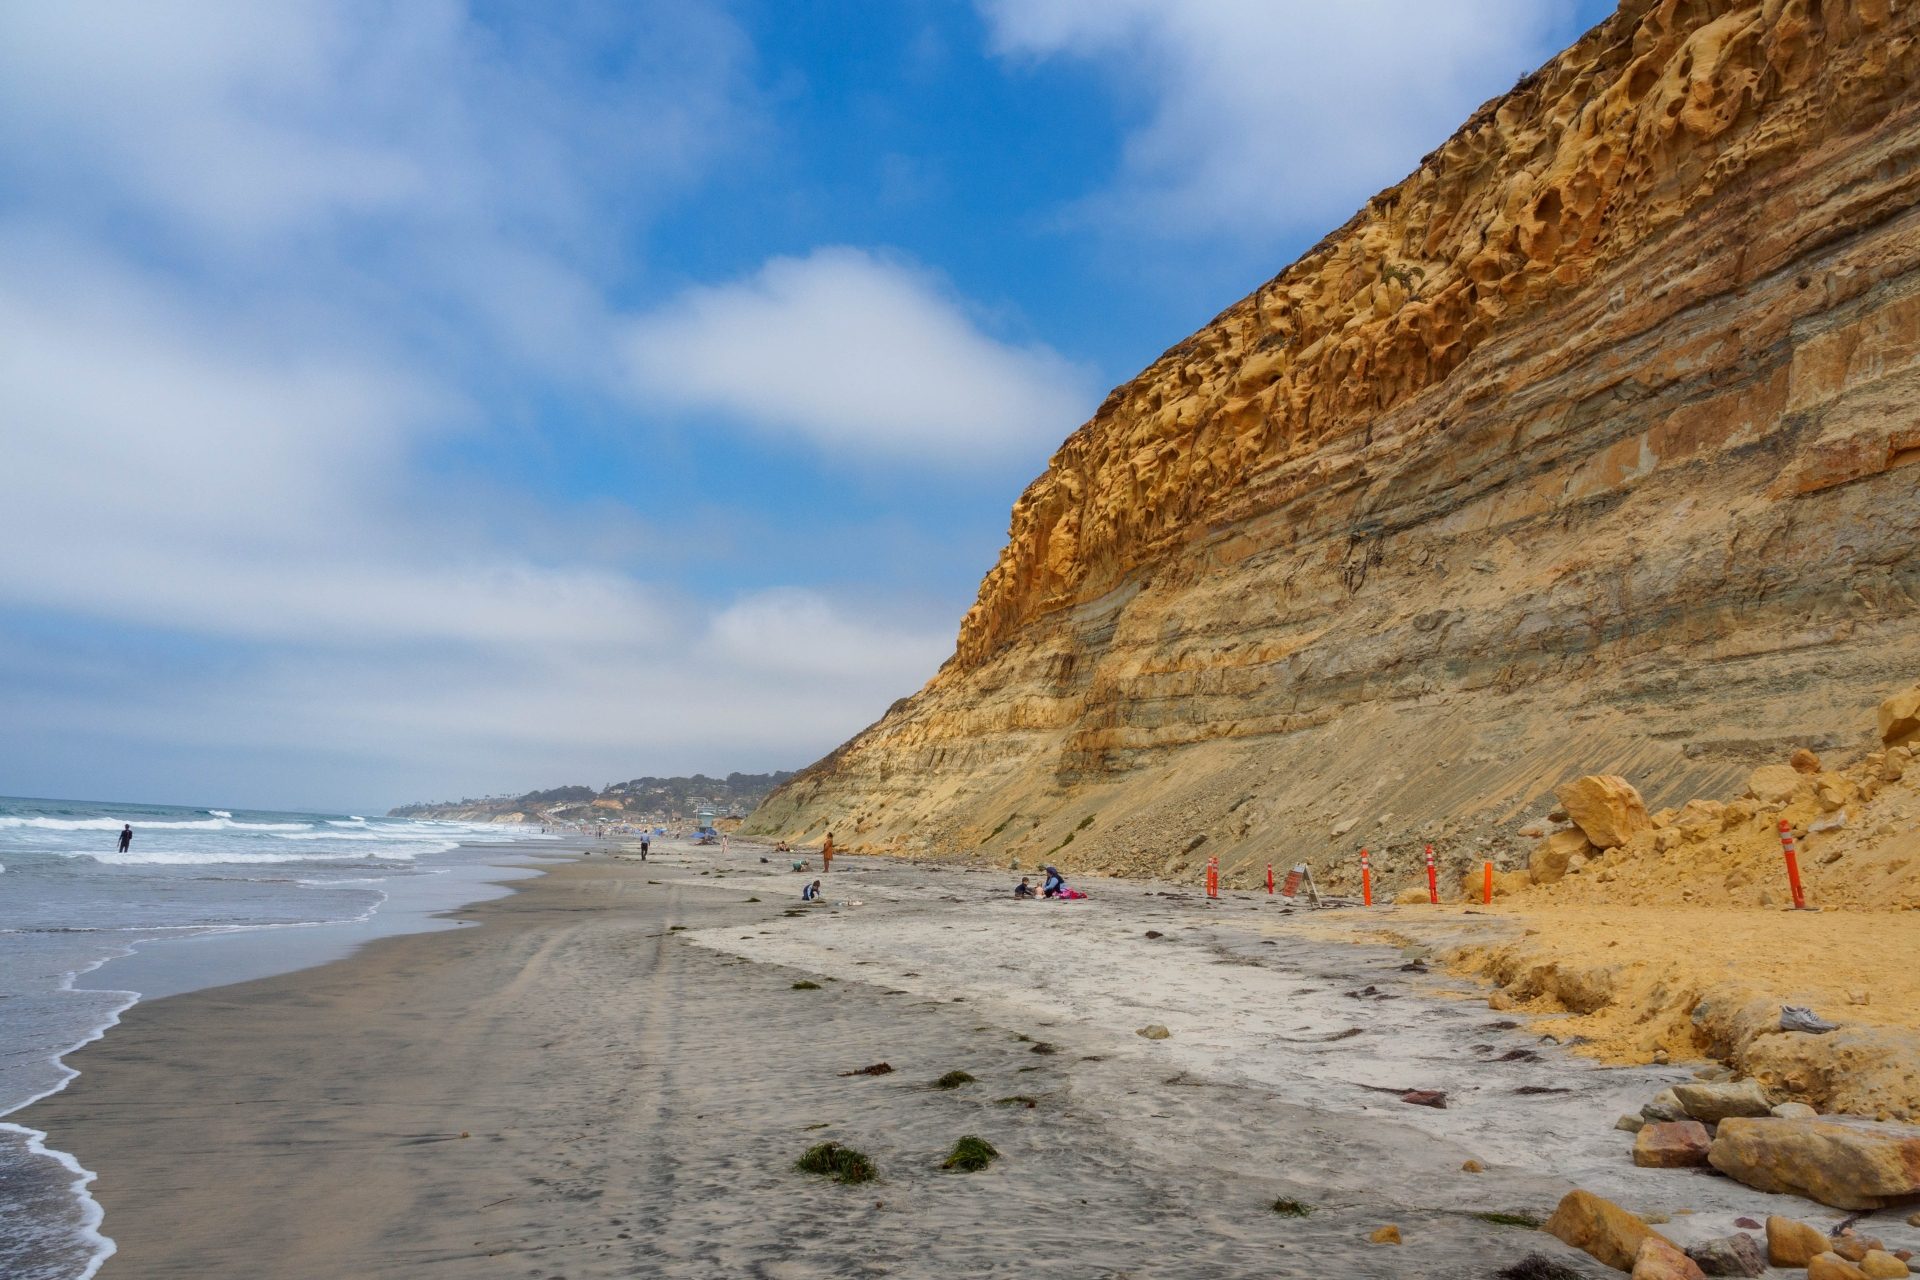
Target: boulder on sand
column 1776, row 784
column 1601, row 1228
column 1659, row 1260
column 1673, row 1144
column 1606, row 807
column 1548, row 864
column 1711, row 1103
column 1736, row 1255
column 1831, row 1266
column 1900, row 717
column 1792, row 1243
column 1840, row 1161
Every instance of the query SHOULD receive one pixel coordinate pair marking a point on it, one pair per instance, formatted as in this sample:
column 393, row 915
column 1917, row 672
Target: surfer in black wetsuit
column 126, row 835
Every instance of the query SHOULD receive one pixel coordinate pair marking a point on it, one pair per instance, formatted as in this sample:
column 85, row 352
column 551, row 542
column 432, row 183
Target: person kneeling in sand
column 811, row 893
column 1023, row 889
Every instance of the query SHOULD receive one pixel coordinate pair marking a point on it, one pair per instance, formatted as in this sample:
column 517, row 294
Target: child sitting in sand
column 811, row 893
column 1023, row 889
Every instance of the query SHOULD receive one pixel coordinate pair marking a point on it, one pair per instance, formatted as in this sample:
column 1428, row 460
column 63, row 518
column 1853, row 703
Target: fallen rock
column 1710, row 1102
column 1900, row 717
column 1852, row 1247
column 1841, row 1161
column 1552, row 856
column 1388, row 1234
column 1341, row 828
column 1606, row 807
column 1472, row 1166
column 1778, row 784
column 1665, row 1106
column 1831, row 1266
column 1735, row 1255
column 1434, row 1098
column 1794, row 1111
column 1630, row 1124
column 1792, row 1243
column 1804, row 761
column 1412, row 895
column 1153, row 1031
column 1660, row 1260
column 1673, row 1144
column 1601, row 1228
column 1881, row 1265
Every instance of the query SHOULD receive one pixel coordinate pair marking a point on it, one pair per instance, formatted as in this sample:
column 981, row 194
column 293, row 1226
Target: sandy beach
column 614, row 1074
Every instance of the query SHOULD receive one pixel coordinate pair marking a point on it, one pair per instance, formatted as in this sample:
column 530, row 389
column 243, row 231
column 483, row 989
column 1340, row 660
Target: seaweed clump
column 1287, row 1208
column 953, row 1080
column 970, row 1155
column 842, row 1164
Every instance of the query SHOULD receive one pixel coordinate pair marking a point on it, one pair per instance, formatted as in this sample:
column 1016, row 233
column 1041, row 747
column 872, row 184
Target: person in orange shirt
column 826, row 853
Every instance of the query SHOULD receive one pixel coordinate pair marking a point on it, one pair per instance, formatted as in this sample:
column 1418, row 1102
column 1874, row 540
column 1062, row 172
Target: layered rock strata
column 1583, row 450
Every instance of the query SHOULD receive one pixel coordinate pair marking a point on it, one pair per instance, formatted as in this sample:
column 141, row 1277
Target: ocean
column 202, row 897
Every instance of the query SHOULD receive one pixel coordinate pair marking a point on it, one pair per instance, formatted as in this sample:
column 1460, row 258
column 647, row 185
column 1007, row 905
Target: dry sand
column 634, row 1073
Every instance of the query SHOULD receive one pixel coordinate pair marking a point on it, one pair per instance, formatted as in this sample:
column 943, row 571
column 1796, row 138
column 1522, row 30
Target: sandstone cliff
column 1580, row 450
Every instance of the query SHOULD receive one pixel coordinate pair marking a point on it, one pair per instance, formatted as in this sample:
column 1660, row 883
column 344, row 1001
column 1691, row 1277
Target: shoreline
column 170, row 962
column 634, row 1070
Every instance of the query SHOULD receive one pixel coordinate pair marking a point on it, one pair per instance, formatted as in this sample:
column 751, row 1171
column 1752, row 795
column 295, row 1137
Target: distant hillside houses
column 661, row 800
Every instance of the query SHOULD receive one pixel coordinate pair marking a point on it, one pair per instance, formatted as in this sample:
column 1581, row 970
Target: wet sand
column 613, row 1075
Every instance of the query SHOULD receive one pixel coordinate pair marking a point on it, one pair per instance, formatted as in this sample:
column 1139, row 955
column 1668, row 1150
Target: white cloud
column 799, row 632
column 255, row 261
column 854, row 351
column 1267, row 115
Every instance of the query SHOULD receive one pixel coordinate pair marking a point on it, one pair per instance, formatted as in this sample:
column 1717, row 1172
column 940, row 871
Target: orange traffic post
column 1213, row 877
column 1486, row 882
column 1366, row 881
column 1433, row 879
column 1793, row 865
column 1269, row 877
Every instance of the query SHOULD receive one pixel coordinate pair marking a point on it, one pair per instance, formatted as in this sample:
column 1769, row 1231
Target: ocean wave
column 350, row 822
column 220, row 813
column 114, row 824
column 243, row 856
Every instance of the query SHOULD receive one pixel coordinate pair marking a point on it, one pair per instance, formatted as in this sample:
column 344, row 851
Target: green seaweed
column 953, row 1080
column 842, row 1164
column 804, row 985
column 1526, row 1220
column 1288, row 1208
column 970, row 1155
column 1017, row 1100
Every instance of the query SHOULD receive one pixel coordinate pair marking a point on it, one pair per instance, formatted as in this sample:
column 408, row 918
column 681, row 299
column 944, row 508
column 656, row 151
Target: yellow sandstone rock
column 1881, row 1265
column 1388, row 1234
column 1605, row 807
column 1900, row 718
column 1831, row 1266
column 1792, row 1243
column 1601, row 1228
column 1660, row 1260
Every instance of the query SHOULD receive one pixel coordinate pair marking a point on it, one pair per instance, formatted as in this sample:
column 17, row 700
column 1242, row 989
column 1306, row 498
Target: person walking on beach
column 826, row 853
column 645, row 843
column 126, row 836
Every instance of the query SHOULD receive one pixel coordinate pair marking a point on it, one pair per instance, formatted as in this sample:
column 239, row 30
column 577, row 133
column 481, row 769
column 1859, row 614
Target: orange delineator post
column 1793, row 865
column 1269, row 877
column 1433, row 879
column 1366, row 881
column 1213, row 877
column 1486, row 882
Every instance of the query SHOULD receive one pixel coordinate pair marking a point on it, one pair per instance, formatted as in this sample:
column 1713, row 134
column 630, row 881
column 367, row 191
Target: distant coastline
column 665, row 800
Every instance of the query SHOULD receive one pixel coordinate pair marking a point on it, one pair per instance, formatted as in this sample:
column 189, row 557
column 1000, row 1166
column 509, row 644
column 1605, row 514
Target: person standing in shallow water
column 826, row 853
column 126, row 836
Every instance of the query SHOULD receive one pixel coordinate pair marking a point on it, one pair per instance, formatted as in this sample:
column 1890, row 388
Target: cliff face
column 1580, row 450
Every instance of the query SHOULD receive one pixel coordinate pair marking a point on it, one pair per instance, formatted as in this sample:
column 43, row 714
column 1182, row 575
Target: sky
column 414, row 399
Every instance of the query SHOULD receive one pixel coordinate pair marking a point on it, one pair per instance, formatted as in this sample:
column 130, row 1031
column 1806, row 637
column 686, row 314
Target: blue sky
column 415, row 399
